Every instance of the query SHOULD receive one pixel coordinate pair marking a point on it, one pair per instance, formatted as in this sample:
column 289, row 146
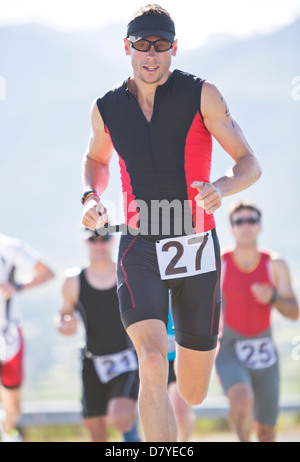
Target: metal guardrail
column 218, row 407
column 69, row 412
column 50, row 413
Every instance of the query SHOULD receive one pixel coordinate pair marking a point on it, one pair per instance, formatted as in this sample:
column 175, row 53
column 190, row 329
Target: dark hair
column 150, row 9
column 244, row 206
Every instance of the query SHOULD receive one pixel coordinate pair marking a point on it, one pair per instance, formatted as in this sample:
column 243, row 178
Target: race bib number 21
column 186, row 256
column 110, row 366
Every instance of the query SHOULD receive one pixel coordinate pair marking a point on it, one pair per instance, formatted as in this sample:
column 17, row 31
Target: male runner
column 109, row 363
column 161, row 125
column 14, row 256
column 253, row 282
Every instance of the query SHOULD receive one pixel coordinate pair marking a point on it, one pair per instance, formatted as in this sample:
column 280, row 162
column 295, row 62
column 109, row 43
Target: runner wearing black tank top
column 109, row 363
column 162, row 132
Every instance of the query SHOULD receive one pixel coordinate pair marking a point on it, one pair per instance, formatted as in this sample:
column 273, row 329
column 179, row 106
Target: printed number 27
column 172, row 268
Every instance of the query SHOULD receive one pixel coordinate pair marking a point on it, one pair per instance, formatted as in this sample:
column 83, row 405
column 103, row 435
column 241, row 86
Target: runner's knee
column 123, row 421
column 242, row 409
column 192, row 394
column 265, row 433
column 241, row 400
column 12, row 410
column 153, row 367
column 122, row 413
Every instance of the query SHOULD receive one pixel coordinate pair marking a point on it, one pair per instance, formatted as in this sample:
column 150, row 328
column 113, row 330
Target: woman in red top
column 253, row 282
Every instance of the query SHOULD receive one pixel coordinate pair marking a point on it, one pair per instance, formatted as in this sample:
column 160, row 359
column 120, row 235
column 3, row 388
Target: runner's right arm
column 95, row 171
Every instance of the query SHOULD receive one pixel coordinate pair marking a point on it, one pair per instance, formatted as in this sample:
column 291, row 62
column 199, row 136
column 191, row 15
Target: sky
column 195, row 19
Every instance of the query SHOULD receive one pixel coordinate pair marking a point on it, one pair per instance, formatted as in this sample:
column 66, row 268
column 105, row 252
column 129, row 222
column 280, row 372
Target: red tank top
column 241, row 311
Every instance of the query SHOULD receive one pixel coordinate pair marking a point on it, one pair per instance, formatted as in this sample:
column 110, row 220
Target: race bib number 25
column 186, row 256
column 257, row 353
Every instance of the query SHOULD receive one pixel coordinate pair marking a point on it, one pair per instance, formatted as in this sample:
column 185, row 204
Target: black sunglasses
column 145, row 45
column 241, row 221
column 98, row 238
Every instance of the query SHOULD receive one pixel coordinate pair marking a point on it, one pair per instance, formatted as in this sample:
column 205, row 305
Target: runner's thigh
column 266, row 392
column 229, row 369
column 142, row 294
column 195, row 305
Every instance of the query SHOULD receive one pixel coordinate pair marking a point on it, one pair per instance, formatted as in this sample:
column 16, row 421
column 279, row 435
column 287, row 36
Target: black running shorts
column 195, row 300
column 96, row 395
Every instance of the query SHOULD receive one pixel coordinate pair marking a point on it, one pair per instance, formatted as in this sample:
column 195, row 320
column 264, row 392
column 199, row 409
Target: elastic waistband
column 127, row 231
column 232, row 336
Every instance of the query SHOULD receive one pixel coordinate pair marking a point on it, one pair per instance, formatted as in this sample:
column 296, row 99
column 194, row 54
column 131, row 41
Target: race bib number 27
column 186, row 256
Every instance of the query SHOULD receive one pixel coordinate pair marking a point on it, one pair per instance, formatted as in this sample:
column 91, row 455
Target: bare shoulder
column 97, row 121
column 210, row 93
column 280, row 266
column 100, row 144
column 214, row 106
column 278, row 260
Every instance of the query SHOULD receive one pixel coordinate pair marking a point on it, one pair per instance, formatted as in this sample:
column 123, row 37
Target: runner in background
column 183, row 411
column 254, row 281
column 109, row 363
column 15, row 257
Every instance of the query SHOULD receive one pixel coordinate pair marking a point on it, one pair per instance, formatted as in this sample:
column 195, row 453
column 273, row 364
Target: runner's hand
column 262, row 293
column 209, row 197
column 66, row 324
column 94, row 214
column 7, row 290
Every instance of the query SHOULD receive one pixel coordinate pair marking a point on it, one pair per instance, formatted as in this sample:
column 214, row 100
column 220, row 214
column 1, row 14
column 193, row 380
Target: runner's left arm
column 227, row 132
column 282, row 296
